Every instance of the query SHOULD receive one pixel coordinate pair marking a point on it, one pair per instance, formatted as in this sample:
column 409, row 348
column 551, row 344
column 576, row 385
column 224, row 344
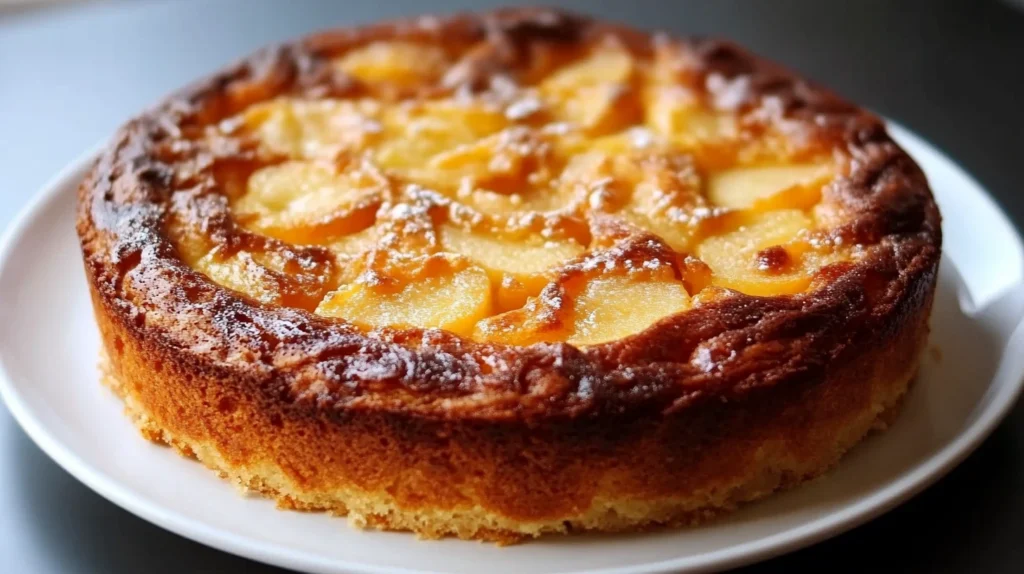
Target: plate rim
column 863, row 509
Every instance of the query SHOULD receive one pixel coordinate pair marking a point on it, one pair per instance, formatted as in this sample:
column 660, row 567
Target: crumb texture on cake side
column 508, row 274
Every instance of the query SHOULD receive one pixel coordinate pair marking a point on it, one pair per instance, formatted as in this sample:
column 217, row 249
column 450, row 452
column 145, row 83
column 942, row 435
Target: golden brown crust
column 686, row 402
column 503, row 480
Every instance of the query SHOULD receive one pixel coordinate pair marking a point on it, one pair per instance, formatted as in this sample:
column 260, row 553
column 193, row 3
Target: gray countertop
column 952, row 71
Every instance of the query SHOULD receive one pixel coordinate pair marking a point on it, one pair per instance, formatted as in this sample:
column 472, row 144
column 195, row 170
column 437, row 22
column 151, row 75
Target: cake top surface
column 477, row 190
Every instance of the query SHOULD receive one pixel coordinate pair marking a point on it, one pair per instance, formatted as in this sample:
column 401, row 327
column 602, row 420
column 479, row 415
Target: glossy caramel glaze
column 176, row 186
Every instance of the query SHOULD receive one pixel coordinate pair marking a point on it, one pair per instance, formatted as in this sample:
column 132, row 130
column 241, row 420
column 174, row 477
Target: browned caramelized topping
column 774, row 259
column 518, row 178
column 454, row 183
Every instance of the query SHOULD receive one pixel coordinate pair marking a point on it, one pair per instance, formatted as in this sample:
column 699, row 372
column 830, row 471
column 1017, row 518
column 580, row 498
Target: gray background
column 951, row 71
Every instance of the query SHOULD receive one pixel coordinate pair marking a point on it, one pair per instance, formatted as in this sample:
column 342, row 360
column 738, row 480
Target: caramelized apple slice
column 313, row 129
column 667, row 108
column 674, row 227
column 667, row 192
column 610, row 65
column 530, row 200
column 355, row 243
column 520, row 183
column 270, row 277
column 744, row 187
column 395, row 62
column 540, row 319
column 525, row 260
column 754, row 259
column 306, row 202
column 413, row 135
column 595, row 93
column 241, row 273
column 611, row 308
column 602, row 109
column 654, row 192
column 449, row 299
column 701, row 126
column 675, row 113
column 506, row 162
column 592, row 177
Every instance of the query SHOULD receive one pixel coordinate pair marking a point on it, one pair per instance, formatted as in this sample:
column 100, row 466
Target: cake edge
column 776, row 466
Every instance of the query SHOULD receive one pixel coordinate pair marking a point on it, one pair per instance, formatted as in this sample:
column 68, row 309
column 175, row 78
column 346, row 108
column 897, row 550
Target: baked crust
column 422, row 429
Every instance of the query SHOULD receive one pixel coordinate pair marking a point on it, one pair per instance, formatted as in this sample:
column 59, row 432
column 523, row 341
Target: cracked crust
column 427, row 431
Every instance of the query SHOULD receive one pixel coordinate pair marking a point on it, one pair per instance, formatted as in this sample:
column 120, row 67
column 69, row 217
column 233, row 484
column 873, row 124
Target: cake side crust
column 475, row 481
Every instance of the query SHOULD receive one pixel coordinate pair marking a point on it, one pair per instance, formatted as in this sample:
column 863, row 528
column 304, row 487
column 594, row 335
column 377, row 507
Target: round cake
column 501, row 275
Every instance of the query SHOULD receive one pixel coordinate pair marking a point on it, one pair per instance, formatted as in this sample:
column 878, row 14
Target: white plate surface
column 49, row 345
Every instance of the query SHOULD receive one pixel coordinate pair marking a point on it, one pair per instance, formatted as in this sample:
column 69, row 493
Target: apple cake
column 506, row 274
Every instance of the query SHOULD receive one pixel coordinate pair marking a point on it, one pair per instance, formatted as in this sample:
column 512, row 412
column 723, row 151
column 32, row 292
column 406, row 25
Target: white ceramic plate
column 49, row 344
